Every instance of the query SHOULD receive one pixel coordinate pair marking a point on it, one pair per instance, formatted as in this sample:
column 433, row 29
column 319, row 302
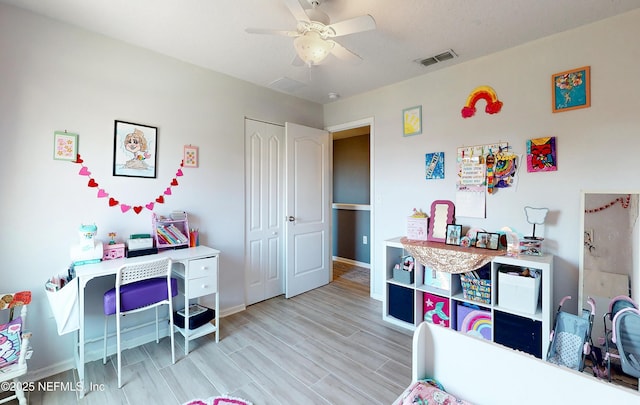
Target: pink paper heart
column 179, row 172
column 84, row 171
column 102, row 193
column 167, row 191
column 149, row 206
column 125, row 207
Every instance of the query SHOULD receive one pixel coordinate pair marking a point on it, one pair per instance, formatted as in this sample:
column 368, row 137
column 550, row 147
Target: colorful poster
column 434, row 165
column 541, row 155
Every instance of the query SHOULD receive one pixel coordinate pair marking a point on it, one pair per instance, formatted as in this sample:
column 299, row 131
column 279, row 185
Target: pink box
column 417, row 228
column 112, row 251
column 474, row 320
column 436, row 309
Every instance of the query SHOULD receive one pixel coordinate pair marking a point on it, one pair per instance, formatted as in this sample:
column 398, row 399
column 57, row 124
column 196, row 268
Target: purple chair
column 139, row 287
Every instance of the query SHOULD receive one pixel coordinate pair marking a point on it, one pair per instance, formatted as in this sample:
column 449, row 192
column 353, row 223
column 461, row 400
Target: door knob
column 291, row 218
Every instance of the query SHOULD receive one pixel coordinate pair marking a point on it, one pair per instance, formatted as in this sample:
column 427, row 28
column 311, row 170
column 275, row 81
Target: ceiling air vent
column 441, row 57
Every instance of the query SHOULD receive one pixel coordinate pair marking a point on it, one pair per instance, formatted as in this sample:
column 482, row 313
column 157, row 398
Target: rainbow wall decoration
column 482, row 93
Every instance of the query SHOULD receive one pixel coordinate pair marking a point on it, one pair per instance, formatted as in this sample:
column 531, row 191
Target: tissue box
column 417, row 228
column 436, row 310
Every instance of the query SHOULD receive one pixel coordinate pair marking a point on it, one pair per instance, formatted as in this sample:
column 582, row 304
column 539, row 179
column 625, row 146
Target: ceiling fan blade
column 353, row 25
column 297, row 10
column 344, row 54
column 272, row 32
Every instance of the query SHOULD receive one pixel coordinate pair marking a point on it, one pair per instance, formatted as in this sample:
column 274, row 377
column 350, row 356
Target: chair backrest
column 12, row 326
column 626, row 336
column 130, row 273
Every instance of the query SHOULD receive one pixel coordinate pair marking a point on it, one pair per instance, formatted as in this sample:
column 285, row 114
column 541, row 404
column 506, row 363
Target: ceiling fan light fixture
column 311, row 48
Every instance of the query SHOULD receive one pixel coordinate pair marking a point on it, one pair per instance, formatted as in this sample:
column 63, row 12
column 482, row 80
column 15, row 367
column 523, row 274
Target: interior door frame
column 375, row 279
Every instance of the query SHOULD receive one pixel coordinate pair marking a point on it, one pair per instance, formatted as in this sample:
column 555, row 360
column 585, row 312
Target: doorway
column 352, row 233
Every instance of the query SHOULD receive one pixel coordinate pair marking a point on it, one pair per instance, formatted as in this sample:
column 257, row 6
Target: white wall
column 56, row 77
column 596, row 145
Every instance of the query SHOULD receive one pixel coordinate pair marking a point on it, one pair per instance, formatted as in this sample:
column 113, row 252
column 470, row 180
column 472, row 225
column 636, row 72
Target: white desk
column 88, row 272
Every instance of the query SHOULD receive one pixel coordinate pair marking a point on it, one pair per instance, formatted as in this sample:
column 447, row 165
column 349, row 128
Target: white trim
column 352, row 207
column 352, row 262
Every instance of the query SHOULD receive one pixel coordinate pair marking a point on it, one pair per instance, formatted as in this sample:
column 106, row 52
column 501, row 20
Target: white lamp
column 535, row 216
column 311, row 48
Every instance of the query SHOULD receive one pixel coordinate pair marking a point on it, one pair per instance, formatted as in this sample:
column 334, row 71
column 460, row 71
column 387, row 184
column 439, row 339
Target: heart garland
column 102, row 193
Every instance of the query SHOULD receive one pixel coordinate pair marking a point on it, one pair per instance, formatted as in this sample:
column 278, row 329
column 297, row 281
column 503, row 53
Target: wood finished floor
column 326, row 346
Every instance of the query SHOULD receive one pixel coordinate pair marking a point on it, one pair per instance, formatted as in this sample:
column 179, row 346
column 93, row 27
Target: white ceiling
column 211, row 34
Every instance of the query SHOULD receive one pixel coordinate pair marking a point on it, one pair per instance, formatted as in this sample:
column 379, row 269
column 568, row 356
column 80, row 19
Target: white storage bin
column 518, row 293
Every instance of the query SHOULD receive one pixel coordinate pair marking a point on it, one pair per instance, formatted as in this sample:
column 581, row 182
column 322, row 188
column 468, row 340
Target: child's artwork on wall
column 541, row 154
column 506, row 168
column 485, row 93
column 190, row 156
column 412, row 121
column 471, row 185
column 65, row 146
column 134, row 151
column 571, row 89
column 434, row 165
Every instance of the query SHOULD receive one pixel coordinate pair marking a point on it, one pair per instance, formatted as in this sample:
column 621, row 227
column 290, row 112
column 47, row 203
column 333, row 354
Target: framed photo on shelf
column 65, row 146
column 412, row 121
column 482, row 240
column 454, row 234
column 571, row 89
column 494, row 241
column 135, row 150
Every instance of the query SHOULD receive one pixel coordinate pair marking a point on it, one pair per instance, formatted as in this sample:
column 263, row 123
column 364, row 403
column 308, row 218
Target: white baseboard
column 352, row 262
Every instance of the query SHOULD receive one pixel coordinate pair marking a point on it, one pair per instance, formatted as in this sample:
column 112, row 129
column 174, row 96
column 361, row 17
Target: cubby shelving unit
column 403, row 304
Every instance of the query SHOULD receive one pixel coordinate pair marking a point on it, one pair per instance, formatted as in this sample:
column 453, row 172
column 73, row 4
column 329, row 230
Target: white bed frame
column 486, row 373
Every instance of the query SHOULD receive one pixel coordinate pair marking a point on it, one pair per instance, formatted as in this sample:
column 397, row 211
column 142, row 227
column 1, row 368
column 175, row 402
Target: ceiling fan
column 313, row 35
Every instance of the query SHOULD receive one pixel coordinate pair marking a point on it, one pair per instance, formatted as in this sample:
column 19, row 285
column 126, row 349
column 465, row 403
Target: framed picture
column 487, row 240
column 571, row 89
column 135, row 150
column 412, row 121
column 454, row 234
column 65, row 146
column 190, row 156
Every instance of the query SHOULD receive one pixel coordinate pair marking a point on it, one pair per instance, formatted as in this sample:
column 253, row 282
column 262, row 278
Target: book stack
column 171, row 235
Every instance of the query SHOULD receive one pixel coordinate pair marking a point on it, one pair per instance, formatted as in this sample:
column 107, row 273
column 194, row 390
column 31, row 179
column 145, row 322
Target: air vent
column 441, row 57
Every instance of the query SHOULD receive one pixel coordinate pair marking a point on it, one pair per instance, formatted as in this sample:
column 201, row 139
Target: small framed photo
column 487, row 240
column 190, row 158
column 412, row 121
column 65, row 146
column 135, row 150
column 454, row 234
column 571, row 89
column 482, row 240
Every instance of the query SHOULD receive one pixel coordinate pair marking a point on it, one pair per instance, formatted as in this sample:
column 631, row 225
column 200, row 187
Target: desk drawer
column 202, row 286
column 203, row 267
